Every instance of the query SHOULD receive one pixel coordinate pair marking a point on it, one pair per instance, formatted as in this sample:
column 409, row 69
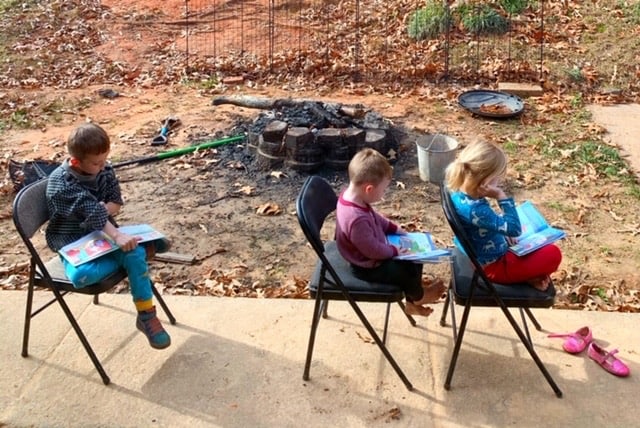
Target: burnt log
column 330, row 110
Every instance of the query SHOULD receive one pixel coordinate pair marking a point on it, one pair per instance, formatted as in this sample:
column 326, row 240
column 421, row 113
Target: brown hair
column 369, row 166
column 88, row 139
column 476, row 162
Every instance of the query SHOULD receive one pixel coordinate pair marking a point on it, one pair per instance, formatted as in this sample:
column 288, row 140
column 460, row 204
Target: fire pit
column 304, row 135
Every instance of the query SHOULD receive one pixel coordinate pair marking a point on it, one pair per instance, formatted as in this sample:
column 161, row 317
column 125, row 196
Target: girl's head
column 477, row 163
column 89, row 147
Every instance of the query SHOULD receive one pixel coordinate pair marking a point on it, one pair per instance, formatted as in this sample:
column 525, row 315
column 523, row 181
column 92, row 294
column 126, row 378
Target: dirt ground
column 207, row 202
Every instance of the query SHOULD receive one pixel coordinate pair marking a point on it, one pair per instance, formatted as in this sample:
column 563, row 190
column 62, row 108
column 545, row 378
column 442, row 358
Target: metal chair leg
column 82, row 337
column 409, row 317
column 525, row 326
column 27, row 319
column 532, row 351
column 386, row 323
column 533, row 319
column 456, row 348
column 317, row 311
column 162, row 303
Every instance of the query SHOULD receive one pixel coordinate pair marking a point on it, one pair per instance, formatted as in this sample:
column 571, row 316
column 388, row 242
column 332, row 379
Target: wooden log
column 354, row 138
column 170, row 257
column 355, row 111
column 274, row 131
column 297, row 138
column 376, row 139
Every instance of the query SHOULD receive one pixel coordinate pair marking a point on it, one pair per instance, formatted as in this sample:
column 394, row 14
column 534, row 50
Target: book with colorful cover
column 536, row 232
column 419, row 247
column 98, row 243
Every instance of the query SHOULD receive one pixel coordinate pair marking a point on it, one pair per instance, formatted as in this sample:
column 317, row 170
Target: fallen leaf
column 269, row 208
column 278, row 174
column 247, row 190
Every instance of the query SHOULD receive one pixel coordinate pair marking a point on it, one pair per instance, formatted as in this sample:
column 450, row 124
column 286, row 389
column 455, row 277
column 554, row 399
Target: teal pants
column 134, row 262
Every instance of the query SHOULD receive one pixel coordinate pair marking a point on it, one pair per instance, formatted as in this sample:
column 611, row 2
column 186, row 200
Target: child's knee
column 80, row 276
column 553, row 255
column 138, row 253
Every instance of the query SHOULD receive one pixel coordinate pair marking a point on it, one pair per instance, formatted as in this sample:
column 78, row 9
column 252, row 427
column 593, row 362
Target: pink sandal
column 576, row 342
column 607, row 360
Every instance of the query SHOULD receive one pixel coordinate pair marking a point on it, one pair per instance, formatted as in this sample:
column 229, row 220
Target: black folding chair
column 332, row 278
column 470, row 287
column 29, row 215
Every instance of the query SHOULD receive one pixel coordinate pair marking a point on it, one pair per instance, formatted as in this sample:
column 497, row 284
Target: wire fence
column 350, row 39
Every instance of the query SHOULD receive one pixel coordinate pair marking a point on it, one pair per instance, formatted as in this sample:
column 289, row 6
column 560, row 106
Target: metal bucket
column 435, row 153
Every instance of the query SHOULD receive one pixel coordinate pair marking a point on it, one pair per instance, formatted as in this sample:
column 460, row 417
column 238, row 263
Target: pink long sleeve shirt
column 361, row 234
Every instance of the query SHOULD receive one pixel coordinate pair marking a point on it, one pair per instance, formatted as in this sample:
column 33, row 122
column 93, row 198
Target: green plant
column 428, row 22
column 8, row 5
column 577, row 101
column 482, row 19
column 20, row 118
column 204, row 82
column 559, row 206
column 209, row 83
column 601, row 292
column 575, row 74
column 514, row 7
column 605, row 159
column 634, row 190
column 510, row 147
column 633, row 13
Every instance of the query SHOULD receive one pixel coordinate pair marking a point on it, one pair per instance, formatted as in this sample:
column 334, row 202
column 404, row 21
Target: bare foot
column 432, row 291
column 541, row 283
column 413, row 309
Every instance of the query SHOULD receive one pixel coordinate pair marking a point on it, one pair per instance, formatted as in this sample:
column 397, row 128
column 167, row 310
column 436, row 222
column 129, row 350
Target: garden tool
column 163, row 137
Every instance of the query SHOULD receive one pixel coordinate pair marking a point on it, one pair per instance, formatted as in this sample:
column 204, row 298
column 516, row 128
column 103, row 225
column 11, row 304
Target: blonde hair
column 475, row 163
column 369, row 166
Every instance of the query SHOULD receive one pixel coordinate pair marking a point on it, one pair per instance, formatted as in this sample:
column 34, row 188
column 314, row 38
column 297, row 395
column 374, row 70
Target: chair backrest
column 30, row 209
column 316, row 201
column 458, row 228
column 30, row 212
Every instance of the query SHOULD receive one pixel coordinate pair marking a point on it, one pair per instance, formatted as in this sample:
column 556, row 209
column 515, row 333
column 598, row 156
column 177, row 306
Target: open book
column 419, row 245
column 98, row 243
column 536, row 232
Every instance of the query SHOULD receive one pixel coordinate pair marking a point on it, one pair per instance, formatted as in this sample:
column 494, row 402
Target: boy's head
column 369, row 166
column 88, row 145
column 369, row 174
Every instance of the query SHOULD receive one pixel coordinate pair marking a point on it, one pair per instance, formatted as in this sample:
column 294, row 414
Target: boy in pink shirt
column 361, row 234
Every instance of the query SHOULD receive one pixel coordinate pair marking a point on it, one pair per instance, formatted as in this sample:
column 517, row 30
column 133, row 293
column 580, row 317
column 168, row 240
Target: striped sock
column 143, row 305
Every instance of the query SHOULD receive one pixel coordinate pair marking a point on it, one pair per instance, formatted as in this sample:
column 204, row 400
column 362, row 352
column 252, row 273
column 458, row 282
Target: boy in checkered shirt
column 82, row 194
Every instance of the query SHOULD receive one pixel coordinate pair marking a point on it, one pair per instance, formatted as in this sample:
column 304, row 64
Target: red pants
column 510, row 268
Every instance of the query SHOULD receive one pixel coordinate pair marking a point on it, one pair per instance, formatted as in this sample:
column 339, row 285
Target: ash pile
column 306, row 135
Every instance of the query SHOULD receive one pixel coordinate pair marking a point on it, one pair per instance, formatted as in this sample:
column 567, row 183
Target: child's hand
column 401, row 231
column 126, row 242
column 512, row 240
column 491, row 189
column 111, row 207
column 402, row 250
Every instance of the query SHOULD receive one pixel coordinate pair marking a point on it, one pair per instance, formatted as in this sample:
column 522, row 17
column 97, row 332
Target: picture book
column 536, row 232
column 419, row 247
column 98, row 243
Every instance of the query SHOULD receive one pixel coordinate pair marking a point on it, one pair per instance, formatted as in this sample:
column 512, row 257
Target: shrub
column 482, row 19
column 514, row 7
column 428, row 22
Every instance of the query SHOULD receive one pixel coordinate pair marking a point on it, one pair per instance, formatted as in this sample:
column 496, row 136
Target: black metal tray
column 491, row 103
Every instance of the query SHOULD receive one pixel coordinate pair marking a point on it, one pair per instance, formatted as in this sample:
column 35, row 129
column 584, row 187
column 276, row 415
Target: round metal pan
column 491, row 103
